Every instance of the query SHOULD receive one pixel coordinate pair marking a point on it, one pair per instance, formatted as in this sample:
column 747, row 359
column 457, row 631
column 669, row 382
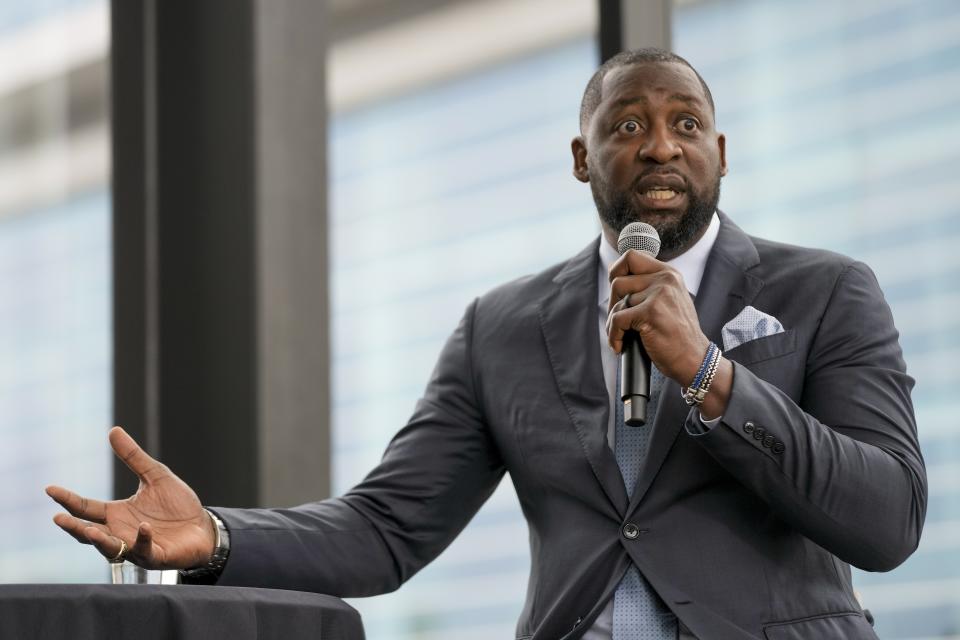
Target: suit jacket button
column 748, row 427
column 779, row 447
column 758, row 433
column 768, row 441
column 630, row 531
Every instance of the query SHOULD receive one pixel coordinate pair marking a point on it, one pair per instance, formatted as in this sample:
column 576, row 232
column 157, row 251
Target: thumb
column 133, row 455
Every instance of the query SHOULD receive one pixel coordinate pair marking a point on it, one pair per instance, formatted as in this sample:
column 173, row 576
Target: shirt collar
column 690, row 264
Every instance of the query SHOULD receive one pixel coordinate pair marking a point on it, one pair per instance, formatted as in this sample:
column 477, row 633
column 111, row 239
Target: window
column 55, row 337
column 438, row 194
column 841, row 120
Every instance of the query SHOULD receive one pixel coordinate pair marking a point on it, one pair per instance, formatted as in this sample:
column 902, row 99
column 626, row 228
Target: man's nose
column 659, row 146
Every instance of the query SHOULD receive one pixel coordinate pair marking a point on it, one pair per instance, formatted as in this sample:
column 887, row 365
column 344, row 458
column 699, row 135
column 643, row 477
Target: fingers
column 133, row 455
column 635, row 262
column 78, row 506
column 110, row 546
column 633, row 285
column 143, row 545
column 143, row 551
column 76, row 527
column 627, row 310
column 668, row 277
column 631, row 301
column 619, row 322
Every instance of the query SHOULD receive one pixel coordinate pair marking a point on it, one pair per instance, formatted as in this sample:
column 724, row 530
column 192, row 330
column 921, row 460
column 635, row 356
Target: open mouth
column 660, row 196
column 660, row 193
column 661, row 190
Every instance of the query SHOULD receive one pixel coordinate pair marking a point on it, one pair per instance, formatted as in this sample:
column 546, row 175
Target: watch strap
column 210, row 572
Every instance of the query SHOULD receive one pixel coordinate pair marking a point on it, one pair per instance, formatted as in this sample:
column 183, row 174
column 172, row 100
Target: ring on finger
column 626, row 301
column 121, row 555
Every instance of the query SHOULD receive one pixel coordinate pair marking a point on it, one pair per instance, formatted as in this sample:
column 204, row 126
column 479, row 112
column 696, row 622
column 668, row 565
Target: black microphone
column 634, row 361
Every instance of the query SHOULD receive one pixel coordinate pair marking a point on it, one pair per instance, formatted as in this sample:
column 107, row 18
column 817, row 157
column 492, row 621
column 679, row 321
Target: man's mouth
column 662, row 190
column 660, row 193
column 661, row 197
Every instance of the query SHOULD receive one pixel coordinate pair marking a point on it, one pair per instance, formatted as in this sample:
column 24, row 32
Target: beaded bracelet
column 697, row 391
column 704, row 366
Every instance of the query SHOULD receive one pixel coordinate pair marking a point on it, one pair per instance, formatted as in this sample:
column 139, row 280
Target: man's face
column 651, row 153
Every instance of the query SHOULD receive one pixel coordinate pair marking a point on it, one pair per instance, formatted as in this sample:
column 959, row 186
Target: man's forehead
column 636, row 81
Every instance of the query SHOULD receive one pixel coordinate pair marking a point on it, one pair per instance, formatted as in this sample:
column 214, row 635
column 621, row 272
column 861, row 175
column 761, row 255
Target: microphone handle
column 634, row 380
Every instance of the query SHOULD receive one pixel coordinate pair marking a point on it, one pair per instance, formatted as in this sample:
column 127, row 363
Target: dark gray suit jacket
column 742, row 537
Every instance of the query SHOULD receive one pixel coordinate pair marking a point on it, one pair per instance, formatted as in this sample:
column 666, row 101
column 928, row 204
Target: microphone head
column 640, row 236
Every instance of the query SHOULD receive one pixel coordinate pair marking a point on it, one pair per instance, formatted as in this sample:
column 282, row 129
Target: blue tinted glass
column 55, row 325
column 15, row 14
column 841, row 121
column 54, row 382
column 436, row 197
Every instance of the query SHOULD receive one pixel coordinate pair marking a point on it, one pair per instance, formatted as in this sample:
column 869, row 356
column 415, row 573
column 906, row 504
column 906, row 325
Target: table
column 171, row 612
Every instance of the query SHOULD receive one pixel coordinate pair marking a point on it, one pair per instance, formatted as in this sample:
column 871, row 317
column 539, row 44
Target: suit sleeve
column 434, row 476
column 849, row 474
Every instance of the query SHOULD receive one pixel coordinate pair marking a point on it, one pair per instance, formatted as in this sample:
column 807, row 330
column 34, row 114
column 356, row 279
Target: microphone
column 634, row 361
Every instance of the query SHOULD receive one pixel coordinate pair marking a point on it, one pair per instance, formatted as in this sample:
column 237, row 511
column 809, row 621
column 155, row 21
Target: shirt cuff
column 709, row 424
column 697, row 426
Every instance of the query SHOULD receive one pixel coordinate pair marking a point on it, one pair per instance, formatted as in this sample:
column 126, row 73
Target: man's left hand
column 651, row 298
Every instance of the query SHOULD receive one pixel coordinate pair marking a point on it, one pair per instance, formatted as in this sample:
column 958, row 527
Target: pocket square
column 749, row 324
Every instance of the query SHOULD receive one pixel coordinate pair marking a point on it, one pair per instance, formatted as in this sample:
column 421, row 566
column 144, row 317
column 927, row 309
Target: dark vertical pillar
column 631, row 24
column 293, row 413
column 135, row 278
column 220, row 244
column 610, row 33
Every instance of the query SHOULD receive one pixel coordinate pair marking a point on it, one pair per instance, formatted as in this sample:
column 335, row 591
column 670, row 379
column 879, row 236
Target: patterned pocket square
column 749, row 324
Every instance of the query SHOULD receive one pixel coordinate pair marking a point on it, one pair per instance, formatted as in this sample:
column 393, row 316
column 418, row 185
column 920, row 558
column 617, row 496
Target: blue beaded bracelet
column 698, row 379
column 695, row 393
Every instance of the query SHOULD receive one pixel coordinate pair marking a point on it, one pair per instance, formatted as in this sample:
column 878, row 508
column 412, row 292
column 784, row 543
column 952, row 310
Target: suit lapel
column 725, row 289
column 727, row 286
column 569, row 321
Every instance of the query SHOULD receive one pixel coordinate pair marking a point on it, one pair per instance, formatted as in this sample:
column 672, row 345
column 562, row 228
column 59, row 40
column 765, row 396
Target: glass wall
column 438, row 195
column 55, row 339
column 842, row 120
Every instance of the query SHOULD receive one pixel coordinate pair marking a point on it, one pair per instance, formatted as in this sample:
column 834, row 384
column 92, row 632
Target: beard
column 617, row 209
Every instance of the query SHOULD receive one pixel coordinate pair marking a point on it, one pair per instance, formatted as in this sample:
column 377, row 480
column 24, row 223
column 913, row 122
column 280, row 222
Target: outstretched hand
column 163, row 525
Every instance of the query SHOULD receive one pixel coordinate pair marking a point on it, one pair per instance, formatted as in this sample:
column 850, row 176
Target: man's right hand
column 163, row 524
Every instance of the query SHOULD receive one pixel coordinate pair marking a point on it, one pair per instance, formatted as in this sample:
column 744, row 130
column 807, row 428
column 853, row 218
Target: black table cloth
column 171, row 612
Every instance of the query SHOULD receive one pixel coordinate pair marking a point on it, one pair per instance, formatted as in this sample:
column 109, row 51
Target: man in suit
column 737, row 517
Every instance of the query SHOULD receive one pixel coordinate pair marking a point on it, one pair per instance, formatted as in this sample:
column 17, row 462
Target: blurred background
column 440, row 128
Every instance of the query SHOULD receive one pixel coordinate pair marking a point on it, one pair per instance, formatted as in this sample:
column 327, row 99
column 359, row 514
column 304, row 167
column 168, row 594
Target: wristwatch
column 210, row 572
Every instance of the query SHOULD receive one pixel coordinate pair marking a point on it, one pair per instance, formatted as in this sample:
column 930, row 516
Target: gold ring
column 120, row 556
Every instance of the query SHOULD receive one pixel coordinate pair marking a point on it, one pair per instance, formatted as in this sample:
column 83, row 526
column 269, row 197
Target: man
column 737, row 517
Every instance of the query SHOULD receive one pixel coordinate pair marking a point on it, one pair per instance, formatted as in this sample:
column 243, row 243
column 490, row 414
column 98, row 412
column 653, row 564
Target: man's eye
column 689, row 125
column 630, row 126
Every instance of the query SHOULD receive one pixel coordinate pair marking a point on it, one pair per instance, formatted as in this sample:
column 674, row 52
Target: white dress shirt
column 690, row 264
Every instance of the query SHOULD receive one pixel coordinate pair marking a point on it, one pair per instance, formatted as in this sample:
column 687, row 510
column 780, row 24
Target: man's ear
column 579, row 149
column 722, row 145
